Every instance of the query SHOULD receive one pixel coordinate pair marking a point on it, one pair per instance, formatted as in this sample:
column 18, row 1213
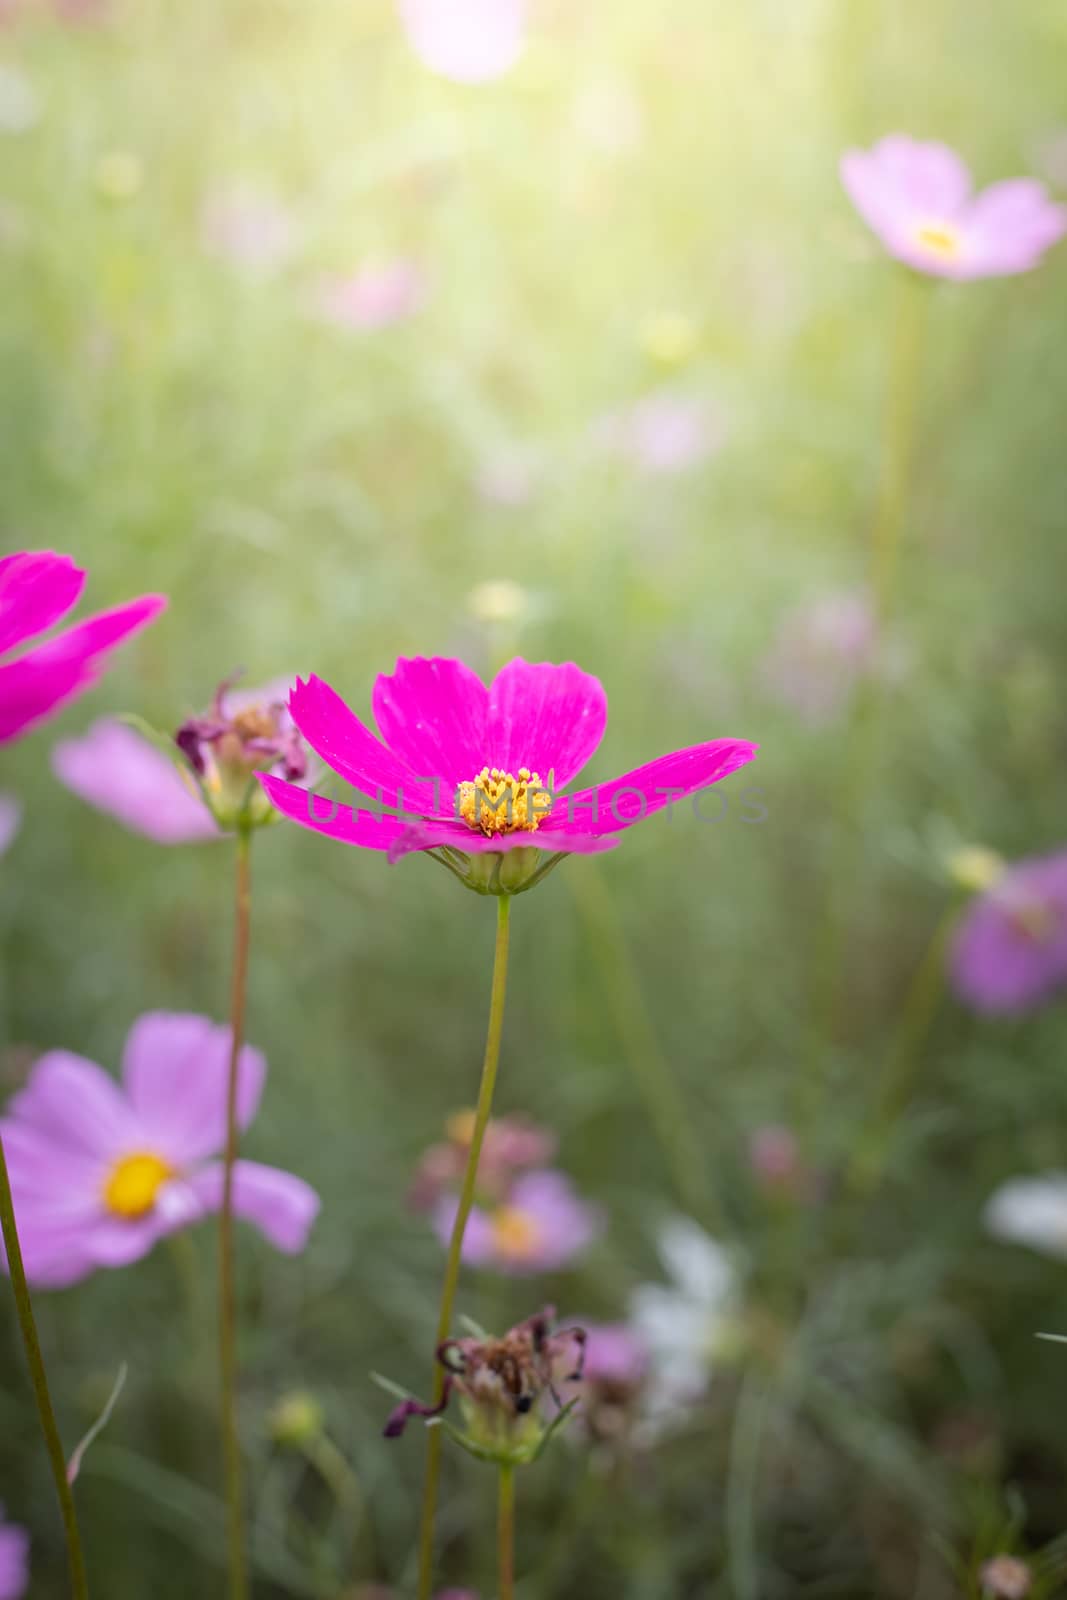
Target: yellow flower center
column 497, row 802
column 940, row 238
column 515, row 1233
column 133, row 1183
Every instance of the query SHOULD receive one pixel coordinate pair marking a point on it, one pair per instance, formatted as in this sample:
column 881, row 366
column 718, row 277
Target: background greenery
column 309, row 500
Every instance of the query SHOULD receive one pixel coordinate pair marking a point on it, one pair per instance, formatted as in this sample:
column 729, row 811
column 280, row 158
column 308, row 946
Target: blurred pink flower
column 14, row 1560
column 10, row 817
column 469, row 41
column 823, row 647
column 374, row 297
column 778, row 1165
column 120, row 773
column 612, row 1381
column 539, row 1226
column 918, row 198
column 252, row 230
column 1010, row 951
column 664, row 432
column 447, row 733
column 508, row 478
column 37, row 589
column 101, row 1172
column 511, row 1145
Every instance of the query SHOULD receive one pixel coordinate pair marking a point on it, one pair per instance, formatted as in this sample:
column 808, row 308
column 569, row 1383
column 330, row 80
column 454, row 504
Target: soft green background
column 308, row 500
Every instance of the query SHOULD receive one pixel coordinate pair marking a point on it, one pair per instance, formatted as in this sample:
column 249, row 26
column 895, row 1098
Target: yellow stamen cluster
column 134, row 1182
column 941, row 238
column 515, row 1233
column 496, row 802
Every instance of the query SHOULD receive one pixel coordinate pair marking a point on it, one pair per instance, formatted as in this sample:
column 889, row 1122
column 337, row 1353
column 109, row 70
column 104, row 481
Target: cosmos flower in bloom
column 1031, row 1211
column 664, row 433
column 469, row 41
column 1010, row 950
column 1005, row 1578
column 683, row 1326
column 374, row 297
column 477, row 775
column 918, row 198
column 539, row 1225
column 37, row 589
column 14, row 1560
column 100, row 1171
column 510, row 1145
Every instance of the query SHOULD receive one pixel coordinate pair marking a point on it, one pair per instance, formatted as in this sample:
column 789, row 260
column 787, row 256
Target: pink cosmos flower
column 476, row 773
column 14, row 1560
column 250, row 229
column 118, row 772
column 664, row 433
column 510, row 1145
column 918, row 199
column 540, row 1226
column 101, row 1172
column 823, row 648
column 10, row 817
column 1010, row 951
column 374, row 297
column 37, row 588
column 469, row 41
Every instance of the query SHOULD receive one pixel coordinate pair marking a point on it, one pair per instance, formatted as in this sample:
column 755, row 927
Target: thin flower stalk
column 234, row 1475
column 506, row 1532
column 466, row 1200
column 79, row 1584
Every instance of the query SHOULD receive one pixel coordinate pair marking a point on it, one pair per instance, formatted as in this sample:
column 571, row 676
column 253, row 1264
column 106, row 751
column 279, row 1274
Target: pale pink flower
column 377, row 296
column 119, row 772
column 469, row 41
column 664, row 433
column 540, row 1225
column 250, row 229
column 824, row 646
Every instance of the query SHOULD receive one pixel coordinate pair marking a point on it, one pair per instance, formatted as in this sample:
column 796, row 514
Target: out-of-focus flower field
column 590, row 360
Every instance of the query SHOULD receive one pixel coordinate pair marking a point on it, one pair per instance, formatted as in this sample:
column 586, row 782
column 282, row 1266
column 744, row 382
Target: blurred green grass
column 308, row 500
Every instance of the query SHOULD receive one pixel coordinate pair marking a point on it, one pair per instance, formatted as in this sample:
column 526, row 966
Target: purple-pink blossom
column 539, row 1225
column 919, row 199
column 469, row 41
column 14, row 1559
column 374, row 297
column 118, row 772
column 664, row 433
column 37, row 589
column 823, row 648
column 249, row 228
column 100, row 1171
column 510, row 1145
column 1010, row 950
column 482, row 770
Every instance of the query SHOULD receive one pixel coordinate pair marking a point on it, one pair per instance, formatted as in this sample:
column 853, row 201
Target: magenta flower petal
column 175, row 1068
column 610, row 807
column 120, row 773
column 336, row 734
column 77, row 1105
column 434, row 715
column 545, row 717
column 316, row 811
column 14, row 1560
column 282, row 1206
column 37, row 589
column 469, row 41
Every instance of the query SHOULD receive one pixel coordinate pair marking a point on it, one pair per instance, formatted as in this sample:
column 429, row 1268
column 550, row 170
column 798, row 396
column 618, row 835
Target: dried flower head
column 239, row 737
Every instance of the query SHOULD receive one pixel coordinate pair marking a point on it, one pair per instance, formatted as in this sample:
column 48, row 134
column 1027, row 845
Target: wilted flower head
column 1005, row 1578
column 684, row 1326
column 823, row 648
column 249, row 228
column 37, row 589
column 1031, row 1211
column 539, row 1225
column 664, row 432
column 918, row 199
column 243, row 735
column 14, row 1559
column 510, row 1145
column 101, row 1172
column 1010, row 951
column 501, row 1384
column 119, row 772
column 374, row 297
column 470, row 773
column 469, row 41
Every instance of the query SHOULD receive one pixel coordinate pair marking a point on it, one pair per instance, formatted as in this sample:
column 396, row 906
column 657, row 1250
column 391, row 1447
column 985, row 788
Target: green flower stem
column 656, row 1082
column 79, row 1586
column 506, row 1533
column 909, row 338
column 434, row 1436
column 237, row 1561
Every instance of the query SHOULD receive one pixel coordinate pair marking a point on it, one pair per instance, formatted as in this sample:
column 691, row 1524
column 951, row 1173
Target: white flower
column 1031, row 1211
column 682, row 1325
